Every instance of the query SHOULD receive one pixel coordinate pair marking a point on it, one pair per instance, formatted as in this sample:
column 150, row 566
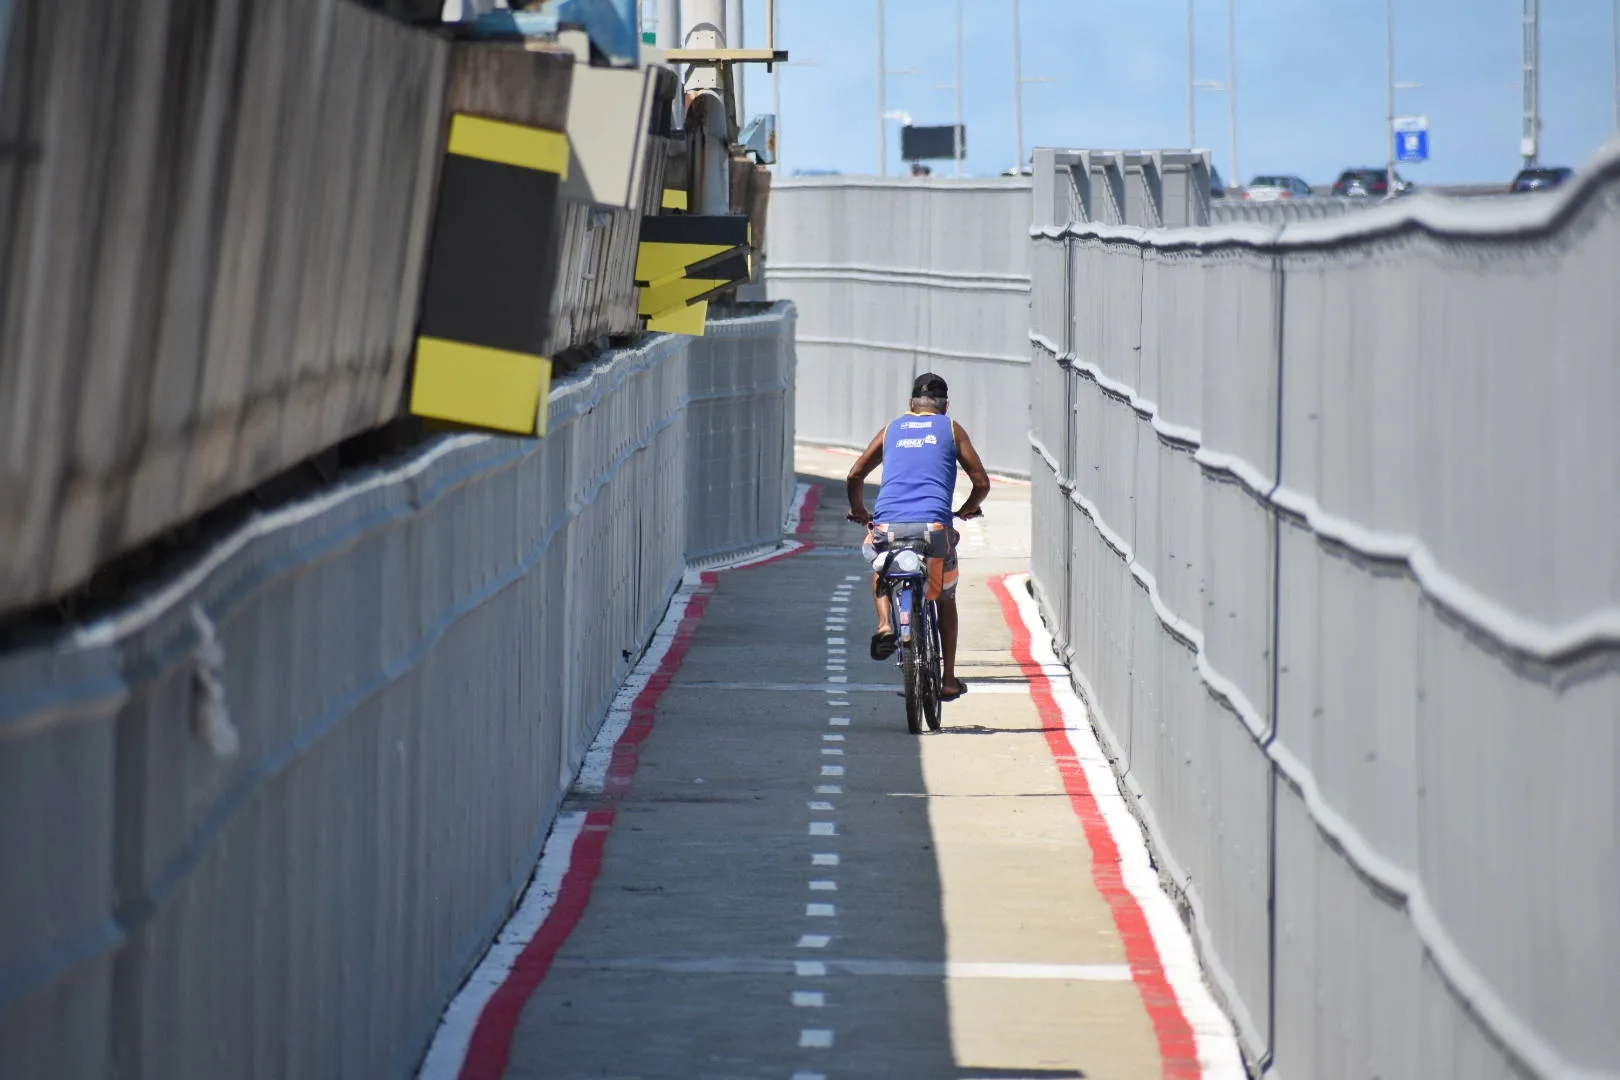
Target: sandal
column 884, row 642
column 962, row 688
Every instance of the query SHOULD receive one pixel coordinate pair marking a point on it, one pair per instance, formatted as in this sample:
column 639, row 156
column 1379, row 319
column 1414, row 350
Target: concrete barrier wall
column 295, row 788
column 1325, row 518
column 213, row 230
column 896, row 277
column 210, row 257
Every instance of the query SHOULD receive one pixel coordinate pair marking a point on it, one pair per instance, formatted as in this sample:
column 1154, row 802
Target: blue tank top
column 919, row 470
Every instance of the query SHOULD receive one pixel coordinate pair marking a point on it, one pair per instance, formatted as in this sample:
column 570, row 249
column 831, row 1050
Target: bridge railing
column 262, row 818
column 1325, row 519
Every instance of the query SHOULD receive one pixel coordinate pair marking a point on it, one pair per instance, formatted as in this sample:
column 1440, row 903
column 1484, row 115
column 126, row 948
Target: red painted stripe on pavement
column 1177, row 1046
column 490, row 1049
column 807, row 513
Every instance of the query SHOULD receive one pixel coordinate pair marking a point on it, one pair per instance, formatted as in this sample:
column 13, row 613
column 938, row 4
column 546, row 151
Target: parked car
column 1217, row 186
column 1541, row 178
column 1365, row 182
column 1272, row 188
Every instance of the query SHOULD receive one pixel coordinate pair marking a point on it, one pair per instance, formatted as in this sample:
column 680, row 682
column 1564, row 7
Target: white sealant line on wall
column 449, row 1049
column 1526, row 635
column 1218, row 1052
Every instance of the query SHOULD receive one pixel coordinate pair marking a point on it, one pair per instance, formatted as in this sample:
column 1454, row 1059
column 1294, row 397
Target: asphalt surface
column 794, row 886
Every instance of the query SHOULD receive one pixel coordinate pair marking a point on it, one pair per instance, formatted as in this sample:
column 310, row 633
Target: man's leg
column 947, row 634
column 881, row 603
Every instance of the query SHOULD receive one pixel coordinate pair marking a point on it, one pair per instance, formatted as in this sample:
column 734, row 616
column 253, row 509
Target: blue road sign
column 1412, row 139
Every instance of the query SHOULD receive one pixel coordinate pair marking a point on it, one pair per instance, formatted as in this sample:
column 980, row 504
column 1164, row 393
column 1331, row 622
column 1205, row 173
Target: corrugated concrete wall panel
column 217, row 233
column 893, row 278
column 1384, row 588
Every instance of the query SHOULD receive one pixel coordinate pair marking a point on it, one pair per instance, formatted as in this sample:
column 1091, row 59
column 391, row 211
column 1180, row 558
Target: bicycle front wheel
column 932, row 678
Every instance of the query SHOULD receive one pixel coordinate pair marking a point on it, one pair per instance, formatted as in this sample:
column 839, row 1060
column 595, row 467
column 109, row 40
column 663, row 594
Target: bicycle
column 903, row 575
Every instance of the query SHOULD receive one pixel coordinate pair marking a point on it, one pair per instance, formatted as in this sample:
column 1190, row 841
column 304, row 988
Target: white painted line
column 809, row 999
column 823, row 828
column 817, row 1038
column 1212, row 1030
column 820, row 911
column 824, row 859
column 832, row 770
column 839, row 721
column 839, row 610
column 795, row 515
column 829, row 789
column 823, row 885
column 852, row 577
column 449, row 1050
column 838, row 678
column 821, row 806
column 902, row 969
column 832, row 738
column 836, row 641
column 834, row 650
column 832, row 751
column 808, row 1076
column 813, row 941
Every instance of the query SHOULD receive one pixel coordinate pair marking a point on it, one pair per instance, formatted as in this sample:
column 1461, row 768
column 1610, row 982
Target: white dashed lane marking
column 818, row 1038
column 824, row 859
column 832, row 770
column 809, row 999
column 821, row 911
column 812, row 941
column 810, row 969
column 824, row 886
column 823, row 828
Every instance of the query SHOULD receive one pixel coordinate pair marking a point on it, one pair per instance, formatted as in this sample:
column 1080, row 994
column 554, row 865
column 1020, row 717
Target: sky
column 1311, row 81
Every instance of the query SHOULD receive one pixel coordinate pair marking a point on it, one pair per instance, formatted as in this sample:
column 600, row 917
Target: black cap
column 929, row 385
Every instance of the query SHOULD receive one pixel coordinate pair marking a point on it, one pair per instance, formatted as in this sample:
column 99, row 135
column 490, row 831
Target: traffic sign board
column 1412, row 138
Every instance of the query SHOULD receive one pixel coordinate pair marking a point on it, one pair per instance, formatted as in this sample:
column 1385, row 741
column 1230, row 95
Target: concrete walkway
column 779, row 881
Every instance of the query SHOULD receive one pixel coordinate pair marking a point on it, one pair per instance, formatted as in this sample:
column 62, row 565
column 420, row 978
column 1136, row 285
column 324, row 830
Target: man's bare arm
column 969, row 457
column 870, row 459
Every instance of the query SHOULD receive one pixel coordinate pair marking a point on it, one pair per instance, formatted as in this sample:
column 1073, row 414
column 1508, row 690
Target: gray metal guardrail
column 893, row 278
column 1325, row 518
column 261, row 819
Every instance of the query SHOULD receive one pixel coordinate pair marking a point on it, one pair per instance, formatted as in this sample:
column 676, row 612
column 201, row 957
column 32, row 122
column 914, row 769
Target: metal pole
column 1616, row 25
column 1530, row 139
column 776, row 89
column 1018, row 87
column 734, row 40
column 882, row 87
column 669, row 24
column 1192, row 119
column 1231, row 84
column 958, row 132
column 1389, row 127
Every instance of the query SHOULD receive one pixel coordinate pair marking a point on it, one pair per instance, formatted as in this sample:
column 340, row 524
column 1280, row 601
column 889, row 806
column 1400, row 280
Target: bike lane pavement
column 773, row 878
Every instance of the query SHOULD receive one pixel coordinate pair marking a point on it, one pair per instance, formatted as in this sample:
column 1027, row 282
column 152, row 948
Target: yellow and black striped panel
column 481, row 387
column 686, row 319
column 670, row 243
column 675, row 199
column 486, row 304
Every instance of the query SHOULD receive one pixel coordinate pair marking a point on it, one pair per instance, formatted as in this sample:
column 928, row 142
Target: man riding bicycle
column 919, row 452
